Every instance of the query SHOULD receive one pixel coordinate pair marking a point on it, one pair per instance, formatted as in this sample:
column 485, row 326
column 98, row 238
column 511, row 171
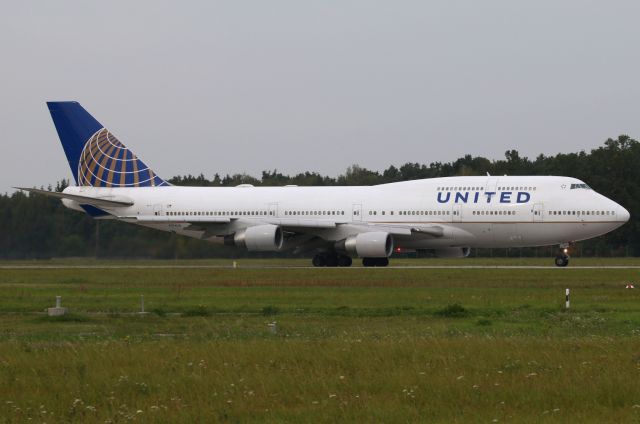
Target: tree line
column 40, row 227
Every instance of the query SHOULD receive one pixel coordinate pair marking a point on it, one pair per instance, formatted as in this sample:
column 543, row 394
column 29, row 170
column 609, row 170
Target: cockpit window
column 575, row 186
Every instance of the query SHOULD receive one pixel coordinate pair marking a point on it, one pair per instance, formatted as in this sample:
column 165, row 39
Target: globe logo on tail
column 106, row 162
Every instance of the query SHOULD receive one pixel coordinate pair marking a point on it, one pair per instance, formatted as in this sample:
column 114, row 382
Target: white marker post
column 566, row 305
column 58, row 310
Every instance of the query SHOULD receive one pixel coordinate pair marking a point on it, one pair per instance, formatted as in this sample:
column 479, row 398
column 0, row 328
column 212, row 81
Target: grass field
column 356, row 345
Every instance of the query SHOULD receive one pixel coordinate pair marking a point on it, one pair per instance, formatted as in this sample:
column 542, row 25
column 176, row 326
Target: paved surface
column 26, row 267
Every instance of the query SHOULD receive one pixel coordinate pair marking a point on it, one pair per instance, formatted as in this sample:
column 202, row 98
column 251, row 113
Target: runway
column 267, row 267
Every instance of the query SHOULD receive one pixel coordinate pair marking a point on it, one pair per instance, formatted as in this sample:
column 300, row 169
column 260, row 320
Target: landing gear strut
column 562, row 259
column 331, row 260
column 375, row 261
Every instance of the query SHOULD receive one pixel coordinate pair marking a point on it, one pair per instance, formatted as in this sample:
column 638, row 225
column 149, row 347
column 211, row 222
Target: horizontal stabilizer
column 101, row 202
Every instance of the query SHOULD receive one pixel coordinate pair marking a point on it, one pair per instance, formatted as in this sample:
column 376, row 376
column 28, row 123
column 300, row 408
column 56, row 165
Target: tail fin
column 95, row 156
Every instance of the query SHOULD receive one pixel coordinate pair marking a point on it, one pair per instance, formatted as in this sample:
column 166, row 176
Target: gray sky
column 243, row 86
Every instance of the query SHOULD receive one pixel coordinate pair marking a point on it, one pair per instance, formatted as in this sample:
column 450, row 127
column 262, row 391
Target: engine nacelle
column 375, row 244
column 259, row 238
column 453, row 252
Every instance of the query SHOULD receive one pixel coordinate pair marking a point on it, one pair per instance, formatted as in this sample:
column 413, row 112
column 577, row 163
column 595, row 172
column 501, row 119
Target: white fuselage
column 507, row 211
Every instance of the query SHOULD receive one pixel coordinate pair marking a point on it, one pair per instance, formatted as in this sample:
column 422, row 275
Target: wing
column 193, row 220
column 339, row 228
column 312, row 225
column 300, row 234
column 303, row 235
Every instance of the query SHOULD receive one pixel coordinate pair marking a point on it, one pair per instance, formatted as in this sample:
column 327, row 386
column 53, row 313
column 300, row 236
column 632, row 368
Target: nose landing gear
column 562, row 259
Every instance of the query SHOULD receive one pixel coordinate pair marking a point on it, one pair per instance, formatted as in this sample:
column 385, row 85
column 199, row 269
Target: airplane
column 448, row 215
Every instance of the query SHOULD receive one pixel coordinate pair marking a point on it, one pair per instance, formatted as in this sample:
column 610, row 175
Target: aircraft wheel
column 562, row 260
column 318, row 260
column 344, row 260
column 375, row 261
column 382, row 261
column 331, row 260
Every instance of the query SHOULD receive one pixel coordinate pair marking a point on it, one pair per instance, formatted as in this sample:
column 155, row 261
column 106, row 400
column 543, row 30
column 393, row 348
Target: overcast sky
column 244, row 86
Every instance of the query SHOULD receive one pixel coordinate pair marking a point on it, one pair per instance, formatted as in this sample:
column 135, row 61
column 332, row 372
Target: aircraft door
column 356, row 214
column 273, row 210
column 491, row 185
column 538, row 212
column 456, row 212
column 157, row 209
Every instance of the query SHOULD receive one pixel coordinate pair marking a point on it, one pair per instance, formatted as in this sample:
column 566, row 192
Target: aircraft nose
column 622, row 214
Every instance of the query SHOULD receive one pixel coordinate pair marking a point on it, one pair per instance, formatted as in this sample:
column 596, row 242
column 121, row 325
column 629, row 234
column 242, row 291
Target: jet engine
column 453, row 252
column 259, row 238
column 375, row 244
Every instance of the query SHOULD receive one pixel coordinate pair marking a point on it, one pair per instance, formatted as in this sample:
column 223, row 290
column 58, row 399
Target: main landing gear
column 331, row 260
column 375, row 261
column 562, row 259
column 336, row 259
